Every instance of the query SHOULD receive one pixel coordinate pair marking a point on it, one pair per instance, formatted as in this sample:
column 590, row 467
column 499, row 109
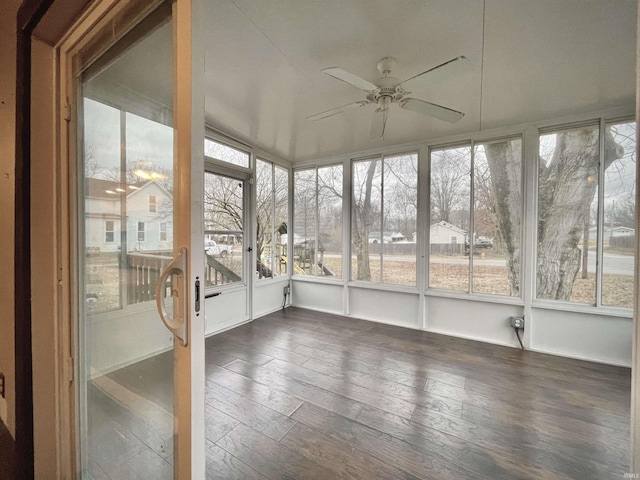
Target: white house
column 447, row 233
column 143, row 205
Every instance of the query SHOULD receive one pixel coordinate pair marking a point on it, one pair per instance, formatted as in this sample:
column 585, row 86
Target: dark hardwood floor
column 305, row 395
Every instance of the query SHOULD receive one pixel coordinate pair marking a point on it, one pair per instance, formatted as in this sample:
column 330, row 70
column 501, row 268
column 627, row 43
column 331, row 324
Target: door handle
column 175, row 324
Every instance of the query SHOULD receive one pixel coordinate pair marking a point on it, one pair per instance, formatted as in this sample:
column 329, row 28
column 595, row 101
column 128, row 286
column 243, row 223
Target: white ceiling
column 542, row 59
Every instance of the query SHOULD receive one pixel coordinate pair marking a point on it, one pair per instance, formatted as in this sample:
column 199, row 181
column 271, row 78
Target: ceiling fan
column 387, row 90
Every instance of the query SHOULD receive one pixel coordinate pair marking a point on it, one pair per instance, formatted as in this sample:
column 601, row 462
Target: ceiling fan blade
column 431, row 109
column 350, row 78
column 436, row 74
column 378, row 123
column 336, row 111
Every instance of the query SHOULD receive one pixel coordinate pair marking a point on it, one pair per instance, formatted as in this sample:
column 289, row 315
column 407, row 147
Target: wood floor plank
column 570, row 457
column 221, row 465
column 383, row 386
column 271, row 458
column 245, row 410
column 310, row 393
column 469, row 457
column 236, row 350
column 266, row 396
column 360, row 394
column 217, row 423
column 260, row 345
column 345, row 460
column 407, row 457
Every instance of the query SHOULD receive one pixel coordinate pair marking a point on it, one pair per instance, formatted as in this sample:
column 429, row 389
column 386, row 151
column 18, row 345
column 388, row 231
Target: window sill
column 475, row 297
column 384, row 286
column 314, row 279
column 581, row 308
column 263, row 282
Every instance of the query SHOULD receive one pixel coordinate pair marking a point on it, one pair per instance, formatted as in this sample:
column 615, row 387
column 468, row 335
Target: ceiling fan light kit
column 387, row 90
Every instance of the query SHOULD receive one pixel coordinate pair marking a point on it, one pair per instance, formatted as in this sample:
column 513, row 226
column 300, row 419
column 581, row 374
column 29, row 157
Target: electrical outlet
column 287, row 289
column 517, row 322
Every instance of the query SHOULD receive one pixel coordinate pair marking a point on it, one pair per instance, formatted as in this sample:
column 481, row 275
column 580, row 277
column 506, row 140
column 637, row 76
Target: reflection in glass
column 126, row 239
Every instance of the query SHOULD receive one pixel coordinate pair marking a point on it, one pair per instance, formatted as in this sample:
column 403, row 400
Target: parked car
column 217, row 249
column 483, row 243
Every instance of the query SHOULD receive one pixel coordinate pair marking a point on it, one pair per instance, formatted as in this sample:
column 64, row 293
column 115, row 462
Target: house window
column 383, row 218
column 272, row 197
column 152, row 204
column 476, row 201
column 317, row 221
column 141, row 234
column 163, row 232
column 109, row 233
column 225, row 153
column 587, row 206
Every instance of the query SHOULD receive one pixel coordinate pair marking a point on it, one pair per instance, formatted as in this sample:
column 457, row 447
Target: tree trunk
column 363, row 226
column 566, row 188
column 505, row 170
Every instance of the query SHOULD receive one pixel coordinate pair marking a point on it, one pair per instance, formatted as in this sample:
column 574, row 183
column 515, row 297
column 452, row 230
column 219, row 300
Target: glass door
column 140, row 316
column 227, row 247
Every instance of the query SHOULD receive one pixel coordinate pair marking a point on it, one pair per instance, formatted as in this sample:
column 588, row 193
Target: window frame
column 293, row 188
column 382, row 157
column 273, row 166
column 597, row 307
column 108, row 231
column 472, row 143
column 142, row 231
column 152, row 203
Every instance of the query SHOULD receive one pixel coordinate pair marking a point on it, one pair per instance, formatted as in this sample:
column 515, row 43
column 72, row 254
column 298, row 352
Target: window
column 318, row 221
column 487, row 175
column 383, row 219
column 619, row 207
column 272, row 196
column 224, row 202
column 141, row 236
column 109, row 234
column 225, row 153
column 152, row 204
column 567, row 214
column 163, row 232
column 586, row 208
column 449, row 218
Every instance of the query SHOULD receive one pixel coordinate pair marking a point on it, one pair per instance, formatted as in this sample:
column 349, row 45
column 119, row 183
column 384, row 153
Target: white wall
column 477, row 320
column 226, row 310
column 395, row 308
column 598, row 338
column 584, row 335
column 323, row 297
column 268, row 296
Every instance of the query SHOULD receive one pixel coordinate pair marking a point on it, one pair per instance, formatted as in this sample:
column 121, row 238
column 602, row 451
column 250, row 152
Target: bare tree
column 366, row 178
column 567, row 183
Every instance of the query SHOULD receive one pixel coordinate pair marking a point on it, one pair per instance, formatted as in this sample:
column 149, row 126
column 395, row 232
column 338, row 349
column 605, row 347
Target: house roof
column 449, row 226
column 110, row 190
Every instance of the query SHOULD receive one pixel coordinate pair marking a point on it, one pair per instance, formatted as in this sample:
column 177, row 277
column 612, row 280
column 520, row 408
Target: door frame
column 84, row 38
